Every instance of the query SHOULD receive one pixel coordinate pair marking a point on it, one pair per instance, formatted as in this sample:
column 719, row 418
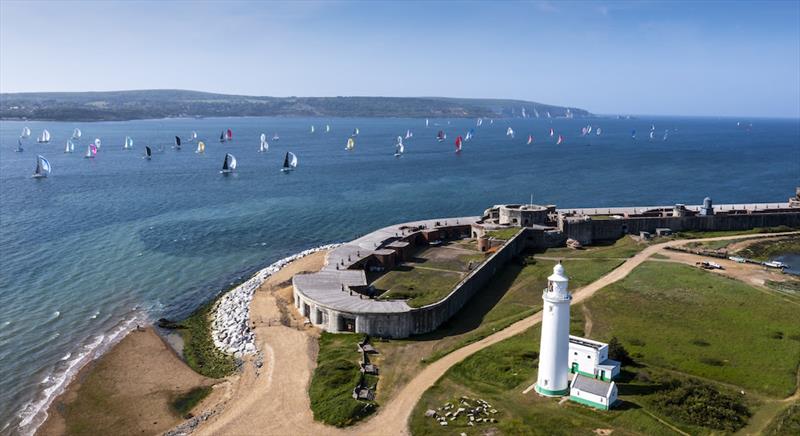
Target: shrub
column 617, row 352
column 184, row 402
column 698, row 403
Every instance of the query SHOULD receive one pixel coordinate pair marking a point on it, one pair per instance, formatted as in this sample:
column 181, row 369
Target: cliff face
column 129, row 105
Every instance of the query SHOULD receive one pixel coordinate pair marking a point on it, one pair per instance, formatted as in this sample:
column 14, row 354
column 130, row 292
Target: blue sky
column 657, row 57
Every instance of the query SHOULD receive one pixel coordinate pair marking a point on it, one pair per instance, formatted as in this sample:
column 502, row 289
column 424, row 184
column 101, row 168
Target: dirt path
column 276, row 402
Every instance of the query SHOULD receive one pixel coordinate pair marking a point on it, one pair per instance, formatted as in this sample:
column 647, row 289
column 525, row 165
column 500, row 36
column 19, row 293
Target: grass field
column 621, row 248
column 681, row 318
column 504, row 234
column 697, row 234
column 420, row 286
column 336, row 375
column 787, row 422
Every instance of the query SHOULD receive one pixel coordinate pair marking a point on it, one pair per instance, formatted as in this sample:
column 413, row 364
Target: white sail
column 192, row 136
column 480, row 121
column 426, row 122
column 351, row 144
column 510, row 132
column 44, row 137
column 128, row 143
column 232, row 162
column 42, row 167
column 409, row 134
column 26, row 132
column 312, row 129
column 327, row 128
column 201, row 147
column 76, row 134
column 598, row 131
column 263, row 137
column 399, row 148
column 264, row 144
column 292, row 160
column 97, row 142
column 69, row 147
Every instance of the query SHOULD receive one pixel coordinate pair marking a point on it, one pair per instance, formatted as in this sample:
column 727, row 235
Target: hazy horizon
column 739, row 59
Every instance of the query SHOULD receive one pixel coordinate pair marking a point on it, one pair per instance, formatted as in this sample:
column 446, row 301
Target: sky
column 716, row 58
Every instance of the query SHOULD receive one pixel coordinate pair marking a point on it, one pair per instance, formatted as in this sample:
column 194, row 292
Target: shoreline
column 41, row 410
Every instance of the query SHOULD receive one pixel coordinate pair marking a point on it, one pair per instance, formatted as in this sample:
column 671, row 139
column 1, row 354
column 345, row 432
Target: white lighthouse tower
column 554, row 349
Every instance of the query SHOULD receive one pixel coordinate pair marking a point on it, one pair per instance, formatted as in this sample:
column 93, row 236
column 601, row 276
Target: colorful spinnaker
column 42, row 167
column 459, row 142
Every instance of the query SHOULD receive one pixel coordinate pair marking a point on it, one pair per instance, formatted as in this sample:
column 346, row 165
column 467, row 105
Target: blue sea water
column 104, row 243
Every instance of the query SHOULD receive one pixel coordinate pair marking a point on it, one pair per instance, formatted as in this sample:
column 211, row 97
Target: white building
column 590, row 358
column 552, row 378
column 593, row 392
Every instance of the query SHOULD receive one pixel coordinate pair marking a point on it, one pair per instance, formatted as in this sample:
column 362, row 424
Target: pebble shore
column 230, row 328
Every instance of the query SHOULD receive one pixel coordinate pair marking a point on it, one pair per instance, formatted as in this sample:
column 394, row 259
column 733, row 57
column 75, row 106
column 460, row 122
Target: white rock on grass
column 230, row 329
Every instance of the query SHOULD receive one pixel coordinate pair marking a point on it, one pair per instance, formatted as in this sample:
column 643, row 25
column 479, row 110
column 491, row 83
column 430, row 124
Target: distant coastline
column 160, row 104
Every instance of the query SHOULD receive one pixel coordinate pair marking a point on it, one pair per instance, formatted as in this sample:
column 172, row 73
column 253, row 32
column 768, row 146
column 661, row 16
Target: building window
column 550, row 308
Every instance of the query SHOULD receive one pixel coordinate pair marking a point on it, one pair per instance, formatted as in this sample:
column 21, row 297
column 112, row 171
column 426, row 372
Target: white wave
column 34, row 413
column 55, row 315
column 95, row 315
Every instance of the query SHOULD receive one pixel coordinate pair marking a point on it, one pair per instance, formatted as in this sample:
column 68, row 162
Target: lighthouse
column 554, row 348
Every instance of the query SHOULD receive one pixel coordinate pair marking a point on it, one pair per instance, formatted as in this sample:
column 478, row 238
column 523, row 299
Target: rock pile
column 230, row 327
column 475, row 411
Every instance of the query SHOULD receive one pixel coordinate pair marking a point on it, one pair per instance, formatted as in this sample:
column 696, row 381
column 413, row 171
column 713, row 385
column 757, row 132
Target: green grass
column 503, row 234
column 693, row 234
column 767, row 249
column 460, row 263
column 186, row 401
column 621, row 248
column 336, row 375
column 662, row 311
column 420, row 286
column 199, row 350
column 786, row 423
column 519, row 289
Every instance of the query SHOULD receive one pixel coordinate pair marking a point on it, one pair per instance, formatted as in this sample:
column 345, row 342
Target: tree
column 617, row 352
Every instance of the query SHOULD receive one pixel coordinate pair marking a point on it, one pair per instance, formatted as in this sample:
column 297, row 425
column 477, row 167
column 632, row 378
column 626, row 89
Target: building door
column 602, row 374
column 574, row 367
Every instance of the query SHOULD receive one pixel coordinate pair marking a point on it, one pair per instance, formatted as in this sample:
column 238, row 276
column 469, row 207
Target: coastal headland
column 286, row 313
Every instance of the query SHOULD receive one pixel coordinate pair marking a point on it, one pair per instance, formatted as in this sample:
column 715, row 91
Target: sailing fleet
column 290, row 161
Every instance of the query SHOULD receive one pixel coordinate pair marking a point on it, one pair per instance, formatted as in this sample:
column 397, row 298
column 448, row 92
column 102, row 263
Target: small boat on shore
column 775, row 264
column 228, row 164
column 289, row 162
column 42, row 168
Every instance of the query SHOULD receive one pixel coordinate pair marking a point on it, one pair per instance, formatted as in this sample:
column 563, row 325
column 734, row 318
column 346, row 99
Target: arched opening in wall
column 624, row 229
column 514, row 221
column 474, row 234
column 306, row 311
column 346, row 324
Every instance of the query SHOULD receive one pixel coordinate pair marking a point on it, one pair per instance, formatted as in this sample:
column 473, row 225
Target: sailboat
column 42, row 168
column 222, row 137
column 355, row 132
column 327, row 128
column 598, row 131
column 229, row 164
column 192, row 136
column 19, row 146
column 510, row 132
column 399, row 148
column 548, row 115
column 427, row 122
column 91, row 151
column 560, row 140
column 459, row 141
column 351, row 144
column 148, row 153
column 652, row 134
column 177, row 145
column 289, row 162
column 583, row 131
column 128, row 143
column 480, row 121
column 552, row 132
column 666, row 133
column 76, row 134
column 69, row 147
column 530, row 139
column 275, row 136
column 633, row 134
column 535, row 112
column 229, row 135
column 524, row 114
column 96, row 144
column 264, row 145
column 201, row 147
column 44, row 138
column 588, row 129
column 26, row 132
column 312, row 128
column 409, row 134
column 469, row 135
column 441, row 136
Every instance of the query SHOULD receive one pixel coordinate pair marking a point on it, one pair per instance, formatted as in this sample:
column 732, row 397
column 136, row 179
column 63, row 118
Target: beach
column 128, row 390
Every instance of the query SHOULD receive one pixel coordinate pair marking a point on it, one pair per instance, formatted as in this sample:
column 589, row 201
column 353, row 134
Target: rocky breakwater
column 230, row 327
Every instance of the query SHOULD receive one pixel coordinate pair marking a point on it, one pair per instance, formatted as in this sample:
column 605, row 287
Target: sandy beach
column 126, row 391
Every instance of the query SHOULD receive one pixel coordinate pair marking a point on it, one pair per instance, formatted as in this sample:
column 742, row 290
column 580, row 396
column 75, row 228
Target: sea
column 104, row 244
